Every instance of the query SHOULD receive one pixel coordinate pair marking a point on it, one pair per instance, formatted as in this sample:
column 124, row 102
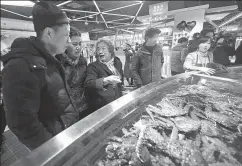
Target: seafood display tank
column 85, row 143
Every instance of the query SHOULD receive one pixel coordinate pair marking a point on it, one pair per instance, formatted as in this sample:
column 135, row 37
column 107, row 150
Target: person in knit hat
column 36, row 95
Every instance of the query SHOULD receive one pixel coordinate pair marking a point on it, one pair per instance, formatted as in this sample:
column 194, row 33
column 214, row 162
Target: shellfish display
column 195, row 126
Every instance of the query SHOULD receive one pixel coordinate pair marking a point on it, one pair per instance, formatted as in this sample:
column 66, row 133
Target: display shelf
column 84, row 142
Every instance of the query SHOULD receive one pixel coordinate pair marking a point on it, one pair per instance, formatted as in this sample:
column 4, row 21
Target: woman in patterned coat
column 75, row 67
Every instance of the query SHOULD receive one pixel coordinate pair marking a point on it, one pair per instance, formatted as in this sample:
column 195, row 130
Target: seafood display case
column 187, row 119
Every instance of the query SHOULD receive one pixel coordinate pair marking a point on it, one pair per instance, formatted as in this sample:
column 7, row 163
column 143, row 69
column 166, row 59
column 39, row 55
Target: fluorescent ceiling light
column 63, row 3
column 18, row 3
column 217, row 16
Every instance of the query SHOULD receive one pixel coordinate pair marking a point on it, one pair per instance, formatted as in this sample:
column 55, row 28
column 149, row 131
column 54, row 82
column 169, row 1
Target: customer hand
column 222, row 67
column 112, row 80
column 206, row 70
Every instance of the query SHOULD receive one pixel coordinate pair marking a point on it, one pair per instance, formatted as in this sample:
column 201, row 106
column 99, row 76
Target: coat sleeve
column 211, row 57
column 122, row 73
column 184, row 53
column 188, row 63
column 92, row 79
column 80, row 73
column 135, row 70
column 162, row 59
column 21, row 91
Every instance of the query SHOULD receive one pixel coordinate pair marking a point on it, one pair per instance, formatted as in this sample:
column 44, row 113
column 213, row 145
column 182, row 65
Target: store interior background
column 123, row 21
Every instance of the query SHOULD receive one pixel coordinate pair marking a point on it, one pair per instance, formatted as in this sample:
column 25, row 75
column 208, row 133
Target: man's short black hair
column 182, row 39
column 151, row 32
column 74, row 32
column 39, row 33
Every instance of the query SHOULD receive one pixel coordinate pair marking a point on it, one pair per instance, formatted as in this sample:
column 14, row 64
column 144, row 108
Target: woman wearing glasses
column 104, row 77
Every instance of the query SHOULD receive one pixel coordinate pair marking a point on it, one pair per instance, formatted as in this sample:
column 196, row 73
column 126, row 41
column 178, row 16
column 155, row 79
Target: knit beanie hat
column 46, row 14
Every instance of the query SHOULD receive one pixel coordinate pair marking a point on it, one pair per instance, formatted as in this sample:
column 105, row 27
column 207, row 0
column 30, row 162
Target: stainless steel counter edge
column 52, row 148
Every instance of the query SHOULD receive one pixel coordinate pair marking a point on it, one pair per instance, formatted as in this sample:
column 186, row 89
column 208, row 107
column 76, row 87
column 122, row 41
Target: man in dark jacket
column 104, row 77
column 36, row 95
column 222, row 51
column 178, row 55
column 147, row 63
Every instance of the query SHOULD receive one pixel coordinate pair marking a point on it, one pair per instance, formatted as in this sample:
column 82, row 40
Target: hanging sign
column 158, row 9
column 85, row 36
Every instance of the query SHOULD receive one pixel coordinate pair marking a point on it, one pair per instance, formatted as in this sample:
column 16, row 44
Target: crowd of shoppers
column 205, row 53
column 47, row 84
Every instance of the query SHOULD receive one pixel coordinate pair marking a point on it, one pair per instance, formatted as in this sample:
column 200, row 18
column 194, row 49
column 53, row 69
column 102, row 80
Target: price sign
column 158, row 9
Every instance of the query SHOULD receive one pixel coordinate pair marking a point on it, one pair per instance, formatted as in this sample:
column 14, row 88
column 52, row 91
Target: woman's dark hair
column 204, row 32
column 196, row 36
column 182, row 39
column 149, row 33
column 109, row 44
column 74, row 32
column 203, row 39
column 193, row 46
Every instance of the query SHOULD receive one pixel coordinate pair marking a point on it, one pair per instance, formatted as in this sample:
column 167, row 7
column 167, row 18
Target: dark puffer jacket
column 178, row 56
column 146, row 66
column 36, row 95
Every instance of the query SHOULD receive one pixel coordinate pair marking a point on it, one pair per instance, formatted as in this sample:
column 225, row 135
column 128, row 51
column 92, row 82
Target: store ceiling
column 98, row 17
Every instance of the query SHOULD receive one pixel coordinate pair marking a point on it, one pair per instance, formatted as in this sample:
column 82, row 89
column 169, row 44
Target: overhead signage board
column 158, row 9
column 85, row 36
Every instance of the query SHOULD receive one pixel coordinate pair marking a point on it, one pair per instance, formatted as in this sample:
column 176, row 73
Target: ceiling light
column 97, row 20
column 74, row 5
column 86, row 23
column 63, row 3
column 18, row 3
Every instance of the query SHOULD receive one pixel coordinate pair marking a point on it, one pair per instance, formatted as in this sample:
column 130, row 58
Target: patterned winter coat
column 76, row 74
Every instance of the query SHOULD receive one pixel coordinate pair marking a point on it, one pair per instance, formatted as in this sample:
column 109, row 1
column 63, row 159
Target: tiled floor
column 12, row 149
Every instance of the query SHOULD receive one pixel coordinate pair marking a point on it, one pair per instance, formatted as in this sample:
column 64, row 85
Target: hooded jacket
column 36, row 95
column 146, row 66
column 178, row 56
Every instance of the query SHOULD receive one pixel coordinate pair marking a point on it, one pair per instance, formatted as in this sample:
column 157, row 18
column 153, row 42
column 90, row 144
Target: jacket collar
column 65, row 59
column 145, row 51
column 104, row 66
column 44, row 52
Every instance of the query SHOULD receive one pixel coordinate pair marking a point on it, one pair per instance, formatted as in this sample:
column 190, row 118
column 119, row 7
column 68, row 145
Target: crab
column 121, row 151
column 186, row 124
column 210, row 129
column 215, row 151
column 183, row 151
column 201, row 90
column 167, row 109
column 228, row 121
